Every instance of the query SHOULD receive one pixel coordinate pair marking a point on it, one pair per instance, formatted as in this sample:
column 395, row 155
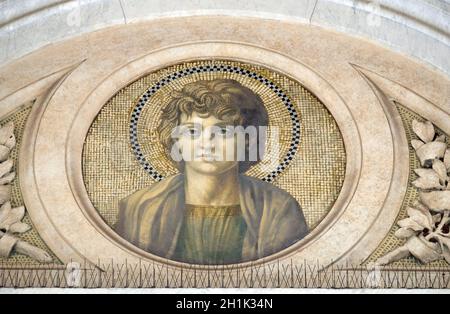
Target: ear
column 175, row 153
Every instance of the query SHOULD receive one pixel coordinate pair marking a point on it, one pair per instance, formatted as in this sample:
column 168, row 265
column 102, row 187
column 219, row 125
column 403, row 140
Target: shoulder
column 267, row 190
column 281, row 219
column 146, row 202
column 269, row 202
column 156, row 190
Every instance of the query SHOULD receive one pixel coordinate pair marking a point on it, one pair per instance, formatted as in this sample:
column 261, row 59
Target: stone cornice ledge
column 410, row 27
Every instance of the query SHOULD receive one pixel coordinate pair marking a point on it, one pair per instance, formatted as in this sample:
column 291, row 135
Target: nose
column 207, row 139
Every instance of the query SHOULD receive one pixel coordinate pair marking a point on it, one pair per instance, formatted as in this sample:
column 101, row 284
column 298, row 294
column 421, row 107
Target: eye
column 192, row 132
column 225, row 131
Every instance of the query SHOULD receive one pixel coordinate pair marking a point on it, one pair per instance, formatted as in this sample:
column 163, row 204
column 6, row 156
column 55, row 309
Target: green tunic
column 211, row 235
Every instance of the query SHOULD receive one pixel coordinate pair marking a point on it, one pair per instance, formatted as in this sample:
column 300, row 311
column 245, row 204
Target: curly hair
column 225, row 99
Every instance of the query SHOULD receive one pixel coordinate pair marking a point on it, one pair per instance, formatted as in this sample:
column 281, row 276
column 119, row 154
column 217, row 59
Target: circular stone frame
column 74, row 230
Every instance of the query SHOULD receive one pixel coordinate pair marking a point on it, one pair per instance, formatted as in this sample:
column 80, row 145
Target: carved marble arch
column 382, row 107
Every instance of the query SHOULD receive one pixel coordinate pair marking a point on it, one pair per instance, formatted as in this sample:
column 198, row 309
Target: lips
column 206, row 157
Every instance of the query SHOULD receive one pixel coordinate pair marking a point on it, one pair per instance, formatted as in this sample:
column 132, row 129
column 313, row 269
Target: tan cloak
column 151, row 218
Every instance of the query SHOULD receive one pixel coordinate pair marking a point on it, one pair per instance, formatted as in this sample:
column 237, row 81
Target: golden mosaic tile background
column 111, row 171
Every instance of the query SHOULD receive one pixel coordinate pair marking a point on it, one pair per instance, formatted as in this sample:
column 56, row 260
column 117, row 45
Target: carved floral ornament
column 426, row 230
column 11, row 225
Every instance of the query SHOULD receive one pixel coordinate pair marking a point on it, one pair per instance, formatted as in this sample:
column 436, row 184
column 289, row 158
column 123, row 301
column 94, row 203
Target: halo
column 152, row 157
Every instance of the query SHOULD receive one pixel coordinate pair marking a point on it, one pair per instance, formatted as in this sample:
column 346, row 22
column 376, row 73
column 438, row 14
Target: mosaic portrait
column 213, row 162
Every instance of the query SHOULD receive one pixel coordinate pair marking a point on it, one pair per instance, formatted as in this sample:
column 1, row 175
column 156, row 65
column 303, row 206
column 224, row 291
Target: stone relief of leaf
column 409, row 223
column 428, row 179
column 446, row 253
column 447, row 159
column 7, row 137
column 424, row 219
column 416, row 144
column 11, row 225
column 441, row 170
column 4, row 153
column 428, row 152
column 436, row 218
column 445, row 242
column 11, row 219
column 10, row 216
column 438, row 201
column 7, row 179
column 6, row 167
column 404, row 233
column 426, row 229
column 424, row 130
column 423, row 250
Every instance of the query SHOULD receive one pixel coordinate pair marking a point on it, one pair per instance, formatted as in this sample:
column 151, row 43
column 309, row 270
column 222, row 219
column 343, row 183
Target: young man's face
column 208, row 145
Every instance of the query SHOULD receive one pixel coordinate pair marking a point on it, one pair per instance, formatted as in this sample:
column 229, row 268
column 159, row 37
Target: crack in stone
column 123, row 12
column 313, row 10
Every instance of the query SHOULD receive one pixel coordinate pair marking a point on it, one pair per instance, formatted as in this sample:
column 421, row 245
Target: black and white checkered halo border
column 143, row 100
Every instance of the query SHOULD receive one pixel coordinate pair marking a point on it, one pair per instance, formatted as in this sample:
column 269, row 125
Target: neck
column 212, row 190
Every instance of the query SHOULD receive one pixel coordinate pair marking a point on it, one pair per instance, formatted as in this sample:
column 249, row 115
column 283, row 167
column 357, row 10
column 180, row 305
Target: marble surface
column 410, row 27
column 100, row 63
column 354, row 77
